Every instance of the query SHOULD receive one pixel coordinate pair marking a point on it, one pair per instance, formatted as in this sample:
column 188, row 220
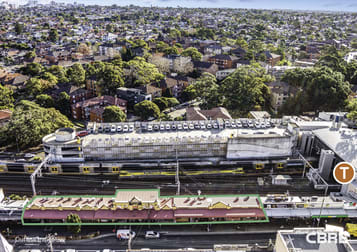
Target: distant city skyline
column 324, row 5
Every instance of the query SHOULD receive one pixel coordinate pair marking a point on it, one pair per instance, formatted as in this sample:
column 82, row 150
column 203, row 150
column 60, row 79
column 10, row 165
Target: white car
column 167, row 126
column 152, row 235
column 179, row 126
column 113, row 129
column 29, row 155
column 125, row 234
column 119, row 128
column 185, row 126
column 131, row 128
column 162, row 127
column 191, row 127
column 150, row 128
column 125, row 128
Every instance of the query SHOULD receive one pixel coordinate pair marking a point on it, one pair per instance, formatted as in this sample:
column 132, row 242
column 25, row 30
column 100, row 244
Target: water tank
column 65, row 134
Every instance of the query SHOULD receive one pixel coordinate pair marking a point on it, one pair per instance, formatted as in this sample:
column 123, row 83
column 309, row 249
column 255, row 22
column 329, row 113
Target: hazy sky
column 334, row 5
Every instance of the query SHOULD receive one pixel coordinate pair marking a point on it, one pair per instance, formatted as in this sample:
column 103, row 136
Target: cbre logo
column 344, row 173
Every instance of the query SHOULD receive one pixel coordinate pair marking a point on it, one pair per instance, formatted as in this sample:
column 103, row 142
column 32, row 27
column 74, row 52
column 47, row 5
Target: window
column 54, row 169
column 280, row 166
column 115, row 169
column 86, row 170
column 259, row 166
column 30, row 169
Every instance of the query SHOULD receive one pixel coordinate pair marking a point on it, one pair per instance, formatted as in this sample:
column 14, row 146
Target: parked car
column 125, row 128
column 124, row 234
column 113, row 129
column 119, row 129
column 29, row 155
column 152, row 235
column 131, row 128
column 82, row 133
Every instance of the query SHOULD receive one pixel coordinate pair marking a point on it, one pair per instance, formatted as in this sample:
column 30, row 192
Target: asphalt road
column 165, row 242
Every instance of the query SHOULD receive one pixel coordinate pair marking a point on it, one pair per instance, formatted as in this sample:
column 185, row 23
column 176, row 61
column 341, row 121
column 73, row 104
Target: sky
column 331, row 5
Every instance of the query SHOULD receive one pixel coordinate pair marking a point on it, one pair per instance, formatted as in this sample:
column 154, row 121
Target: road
column 165, row 242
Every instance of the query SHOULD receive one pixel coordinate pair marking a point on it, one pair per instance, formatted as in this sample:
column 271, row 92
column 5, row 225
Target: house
column 155, row 92
column 92, row 86
column 82, row 110
column 5, row 116
column 76, row 93
column 281, row 91
column 259, row 115
column 205, row 67
column 195, row 113
column 176, row 84
column 221, row 74
column 239, row 52
column 223, row 61
column 212, row 49
column 133, row 95
column 271, row 58
column 15, row 80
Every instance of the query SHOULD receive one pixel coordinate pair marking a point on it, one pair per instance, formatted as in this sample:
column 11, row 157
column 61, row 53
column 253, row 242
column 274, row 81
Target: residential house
column 92, row 86
column 176, row 84
column 212, row 49
column 205, row 67
column 221, row 74
column 15, row 80
column 195, row 113
column 223, row 61
column 133, row 95
column 271, row 58
column 82, row 110
column 155, row 92
column 281, row 91
column 239, row 52
column 5, row 116
column 75, row 93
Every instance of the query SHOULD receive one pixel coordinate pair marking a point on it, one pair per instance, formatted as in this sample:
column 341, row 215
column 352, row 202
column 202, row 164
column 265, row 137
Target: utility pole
column 37, row 171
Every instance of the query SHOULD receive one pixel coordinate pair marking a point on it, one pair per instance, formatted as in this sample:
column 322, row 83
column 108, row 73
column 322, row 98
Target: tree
column 76, row 74
column 245, row 89
column 161, row 102
column 146, row 109
column 193, row 53
column 139, row 72
column 45, row 101
column 84, row 49
column 6, row 98
column 163, row 64
column 189, row 93
column 19, row 27
column 32, row 69
column 30, row 55
column 113, row 114
column 171, row 50
column 75, row 220
column 183, row 65
column 59, row 72
column 207, row 89
column 30, row 122
column 35, row 86
column 63, row 104
column 53, row 35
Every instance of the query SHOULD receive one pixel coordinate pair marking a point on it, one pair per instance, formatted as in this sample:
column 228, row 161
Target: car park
column 152, row 235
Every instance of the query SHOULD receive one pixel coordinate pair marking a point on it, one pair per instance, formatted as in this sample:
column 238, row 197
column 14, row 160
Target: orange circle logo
column 344, row 173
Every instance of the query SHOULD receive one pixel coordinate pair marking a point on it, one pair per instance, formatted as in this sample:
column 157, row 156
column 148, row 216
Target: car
column 203, row 126
column 125, row 234
column 191, row 126
column 29, row 155
column 167, row 126
column 173, row 127
column 267, row 124
column 262, row 125
column 250, row 124
column 125, row 128
column 209, row 126
column 113, row 129
column 185, row 126
column 100, row 129
column 197, row 126
column 152, row 235
column 82, row 133
column 131, row 128
column 107, row 128
column 162, row 127
column 149, row 127
column 257, row 125
column 215, row 126
column 233, row 125
column 156, row 127
column 179, row 126
column 119, row 128
column 227, row 124
column 239, row 125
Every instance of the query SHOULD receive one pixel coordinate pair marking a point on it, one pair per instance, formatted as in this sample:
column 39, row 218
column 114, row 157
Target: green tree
column 172, row 101
column 59, row 72
column 6, row 98
column 30, row 122
column 74, row 219
column 35, row 86
column 53, row 35
column 19, row 27
column 63, row 104
column 139, row 72
column 245, row 89
column 30, row 55
column 189, row 93
column 193, row 53
column 45, row 101
column 161, row 102
column 207, row 88
column 113, row 114
column 146, row 109
column 33, row 69
column 76, row 74
column 171, row 50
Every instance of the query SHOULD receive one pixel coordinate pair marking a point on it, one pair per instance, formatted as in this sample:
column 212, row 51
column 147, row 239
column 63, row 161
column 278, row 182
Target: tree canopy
column 146, row 109
column 6, row 98
column 113, row 114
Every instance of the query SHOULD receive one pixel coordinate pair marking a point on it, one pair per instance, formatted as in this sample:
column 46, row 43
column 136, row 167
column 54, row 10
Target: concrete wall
column 259, row 146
